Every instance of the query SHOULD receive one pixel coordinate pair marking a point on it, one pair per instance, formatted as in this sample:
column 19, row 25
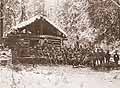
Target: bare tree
column 8, row 14
column 1, row 19
column 23, row 11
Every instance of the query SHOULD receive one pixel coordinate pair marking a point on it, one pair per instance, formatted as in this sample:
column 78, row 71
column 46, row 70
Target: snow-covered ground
column 58, row 77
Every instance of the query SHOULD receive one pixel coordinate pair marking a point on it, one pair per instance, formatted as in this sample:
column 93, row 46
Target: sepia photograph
column 59, row 43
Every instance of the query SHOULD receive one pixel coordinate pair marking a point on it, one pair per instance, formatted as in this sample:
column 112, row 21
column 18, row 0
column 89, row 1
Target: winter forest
column 91, row 20
column 95, row 21
column 87, row 33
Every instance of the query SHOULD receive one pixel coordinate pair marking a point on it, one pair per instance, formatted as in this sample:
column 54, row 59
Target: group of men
column 100, row 57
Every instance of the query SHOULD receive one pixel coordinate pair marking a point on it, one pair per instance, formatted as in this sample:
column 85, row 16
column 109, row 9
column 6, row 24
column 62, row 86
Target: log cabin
column 29, row 34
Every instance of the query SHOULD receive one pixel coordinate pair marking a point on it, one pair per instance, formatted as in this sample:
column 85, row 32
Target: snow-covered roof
column 25, row 23
column 31, row 20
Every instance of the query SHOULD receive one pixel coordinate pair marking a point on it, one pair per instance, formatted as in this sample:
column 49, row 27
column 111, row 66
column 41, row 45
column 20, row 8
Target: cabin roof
column 33, row 19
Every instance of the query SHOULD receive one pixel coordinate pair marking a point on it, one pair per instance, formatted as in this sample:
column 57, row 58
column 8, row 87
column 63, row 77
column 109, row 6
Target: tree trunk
column 1, row 20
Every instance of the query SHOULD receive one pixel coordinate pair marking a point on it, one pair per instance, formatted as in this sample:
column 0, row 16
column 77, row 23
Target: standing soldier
column 94, row 59
column 101, row 56
column 116, row 58
column 107, row 56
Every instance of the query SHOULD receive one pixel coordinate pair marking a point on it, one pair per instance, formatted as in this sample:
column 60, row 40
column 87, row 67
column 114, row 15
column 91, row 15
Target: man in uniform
column 94, row 59
column 101, row 56
column 107, row 56
column 116, row 57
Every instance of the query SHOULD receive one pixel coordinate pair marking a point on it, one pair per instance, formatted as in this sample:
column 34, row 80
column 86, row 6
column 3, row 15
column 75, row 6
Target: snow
column 58, row 77
column 31, row 20
column 25, row 23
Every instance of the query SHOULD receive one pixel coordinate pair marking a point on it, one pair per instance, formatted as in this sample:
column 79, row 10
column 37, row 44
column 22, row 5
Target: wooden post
column 61, row 43
column 14, row 52
column 41, row 26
